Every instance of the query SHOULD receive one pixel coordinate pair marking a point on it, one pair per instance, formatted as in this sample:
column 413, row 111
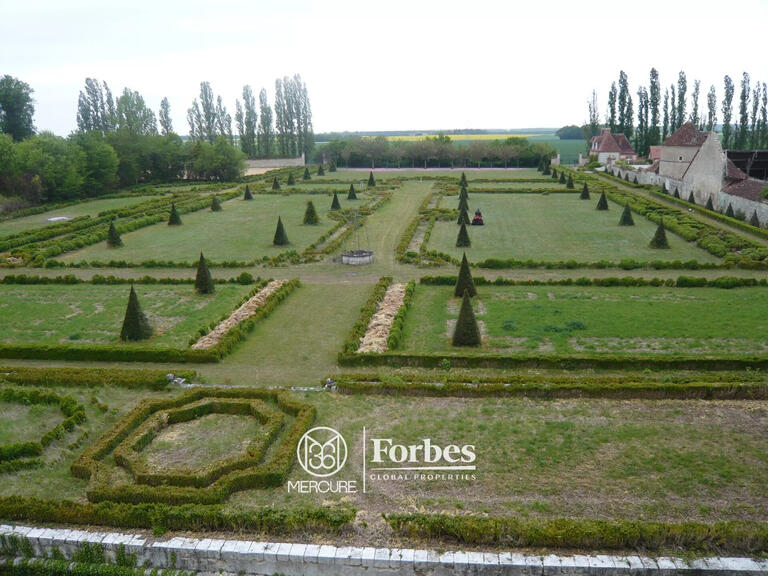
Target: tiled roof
column 733, row 172
column 607, row 142
column 748, row 188
column 686, row 135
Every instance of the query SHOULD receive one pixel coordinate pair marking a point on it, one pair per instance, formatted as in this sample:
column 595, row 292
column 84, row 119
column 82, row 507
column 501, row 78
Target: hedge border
column 723, row 282
column 130, row 378
column 396, row 330
column 352, row 343
column 585, row 533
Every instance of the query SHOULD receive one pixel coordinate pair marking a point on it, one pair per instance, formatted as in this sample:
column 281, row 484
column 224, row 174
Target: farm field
column 93, row 314
column 589, row 320
column 554, row 228
column 88, row 208
column 242, row 231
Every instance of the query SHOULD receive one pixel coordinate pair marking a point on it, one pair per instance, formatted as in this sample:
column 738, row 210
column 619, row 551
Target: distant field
column 463, row 137
column 89, row 208
column 555, row 227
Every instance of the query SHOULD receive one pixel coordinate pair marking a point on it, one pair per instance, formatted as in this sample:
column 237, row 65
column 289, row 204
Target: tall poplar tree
column 166, row 125
column 265, row 131
column 665, row 128
column 612, row 107
column 743, row 127
column 674, row 121
column 695, row 105
column 711, row 109
column 682, row 89
column 624, row 104
column 727, row 109
column 654, row 101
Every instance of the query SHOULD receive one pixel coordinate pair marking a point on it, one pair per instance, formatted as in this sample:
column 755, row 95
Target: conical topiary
column 275, row 183
column 291, row 180
column 709, row 205
column 635, row 180
column 174, row 219
column 203, row 281
column 659, row 239
column 554, row 173
column 113, row 236
column 755, row 220
column 547, row 170
column 467, row 332
column 332, row 167
column 463, row 180
column 281, row 238
column 691, row 198
column 462, row 240
column 371, row 180
column 626, row 216
column 135, row 324
column 602, row 203
column 626, row 176
column 464, row 281
column 351, row 195
column 310, row 214
column 677, row 193
column 562, row 177
column 463, row 204
column 320, row 170
column 463, row 217
column 463, row 193
column 664, row 188
column 335, row 204
column 584, row 192
column 729, row 211
column 307, row 175
column 248, row 195
column 540, row 167
column 569, row 183
column 215, row 204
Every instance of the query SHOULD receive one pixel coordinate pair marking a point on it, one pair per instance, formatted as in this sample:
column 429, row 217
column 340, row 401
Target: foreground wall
column 211, row 556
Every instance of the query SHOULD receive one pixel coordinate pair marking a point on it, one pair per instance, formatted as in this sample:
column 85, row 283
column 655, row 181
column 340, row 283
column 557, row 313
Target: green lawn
column 588, row 320
column 85, row 314
column 382, row 174
column 21, row 423
column 569, row 149
column 243, row 230
column 556, row 227
column 89, row 208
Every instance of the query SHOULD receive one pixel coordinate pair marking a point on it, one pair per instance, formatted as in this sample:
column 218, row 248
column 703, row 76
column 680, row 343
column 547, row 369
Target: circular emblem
column 322, row 451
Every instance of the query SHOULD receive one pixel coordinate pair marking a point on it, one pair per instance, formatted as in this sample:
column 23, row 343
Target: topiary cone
column 659, row 239
column 463, row 180
column 371, row 180
column 755, row 220
column 275, row 183
column 709, row 205
column 463, row 193
column 569, row 183
column 291, row 180
column 310, row 214
column 554, row 173
column 113, row 236
column 320, row 170
column 562, row 177
column 462, row 240
column 307, row 175
column 135, row 324
column 691, row 198
column 215, row 204
column 351, row 195
column 335, row 204
column 463, row 204
column 467, row 332
column 677, row 193
column 248, row 195
column 584, row 192
column 602, row 203
column 174, row 219
column 281, row 238
column 729, row 211
column 464, row 281
column 203, row 281
column 626, row 216
column 463, row 217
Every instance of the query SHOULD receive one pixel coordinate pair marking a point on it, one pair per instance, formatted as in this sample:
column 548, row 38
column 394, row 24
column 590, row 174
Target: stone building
column 611, row 148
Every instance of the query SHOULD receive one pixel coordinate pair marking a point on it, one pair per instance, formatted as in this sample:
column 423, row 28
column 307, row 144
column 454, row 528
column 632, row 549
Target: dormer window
column 680, row 158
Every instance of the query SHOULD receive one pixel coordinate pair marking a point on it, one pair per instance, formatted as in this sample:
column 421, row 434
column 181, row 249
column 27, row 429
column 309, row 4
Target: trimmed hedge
column 121, row 377
column 585, row 533
column 160, row 517
column 725, row 282
column 272, row 473
column 352, row 343
column 396, row 331
column 57, row 567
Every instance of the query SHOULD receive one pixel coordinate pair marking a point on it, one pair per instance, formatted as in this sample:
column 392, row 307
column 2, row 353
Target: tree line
column 432, row 151
column 744, row 128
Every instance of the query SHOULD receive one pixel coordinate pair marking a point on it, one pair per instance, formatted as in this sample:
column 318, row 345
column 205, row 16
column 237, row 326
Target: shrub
column 709, row 205
column 463, row 180
column 281, row 238
column 569, row 184
column 463, row 203
column 547, row 171
column 307, row 175
column 135, row 324
column 249, row 196
column 659, row 239
column 664, row 188
column 626, row 176
column 320, row 170
column 203, row 281
column 310, row 214
column 602, row 203
column 562, row 177
column 635, row 180
column 677, row 193
column 332, row 167
column 245, row 279
column 729, row 211
column 275, row 183
column 174, row 219
column 754, row 220
column 215, row 204
column 371, row 180
column 467, row 332
column 291, row 179
column 554, row 173
column 464, row 281
column 335, row 204
column 463, row 217
column 584, row 192
column 691, row 198
column 113, row 236
column 462, row 240
column 626, row 216
column 352, row 195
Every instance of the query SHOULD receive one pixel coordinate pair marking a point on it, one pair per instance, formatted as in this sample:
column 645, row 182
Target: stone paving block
column 367, row 556
column 270, row 551
column 310, row 553
column 602, row 563
column 744, row 564
column 349, row 556
column 406, row 557
column 284, row 551
column 425, row 559
column 256, row 550
column 326, row 554
column 381, row 558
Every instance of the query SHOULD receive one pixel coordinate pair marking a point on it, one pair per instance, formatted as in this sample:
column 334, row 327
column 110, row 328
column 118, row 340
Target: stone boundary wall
column 261, row 165
column 212, row 556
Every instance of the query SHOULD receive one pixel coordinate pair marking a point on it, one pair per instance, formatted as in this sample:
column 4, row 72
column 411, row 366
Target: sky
column 379, row 65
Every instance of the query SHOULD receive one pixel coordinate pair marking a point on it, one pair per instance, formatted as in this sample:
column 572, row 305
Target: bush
column 352, row 195
column 562, row 177
column 659, row 239
column 174, row 219
column 462, row 240
column 281, row 238
column 122, row 377
column 113, row 237
column 626, row 216
column 584, row 192
column 602, row 203
column 467, row 332
column 754, row 220
column 709, row 205
column 569, row 184
column 320, row 170
column 464, row 281
column 554, row 173
column 335, row 204
column 291, row 179
column 463, row 217
column 203, row 280
column 371, row 180
column 729, row 211
column 215, row 204
column 310, row 214
column 463, row 203
column 677, row 193
column 691, row 198
column 135, row 324
column 307, row 175
column 463, row 180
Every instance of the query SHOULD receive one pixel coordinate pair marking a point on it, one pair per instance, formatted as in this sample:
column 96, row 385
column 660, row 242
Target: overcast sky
column 378, row 65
